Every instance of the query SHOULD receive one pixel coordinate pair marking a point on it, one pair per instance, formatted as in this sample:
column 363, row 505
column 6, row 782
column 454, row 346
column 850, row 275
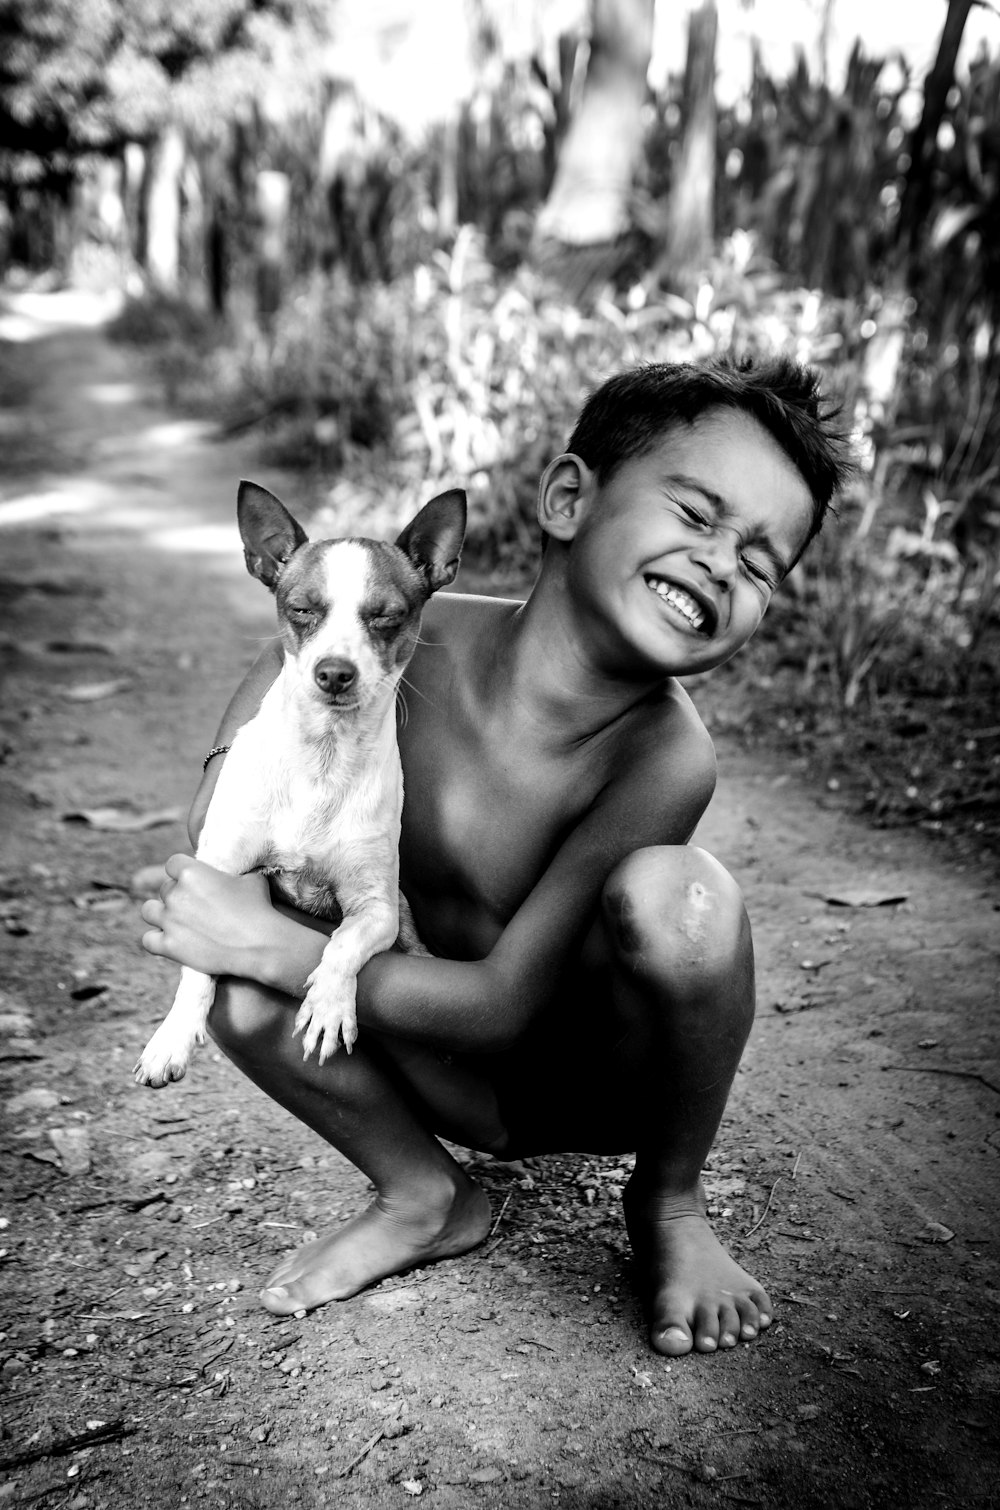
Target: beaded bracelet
column 215, row 750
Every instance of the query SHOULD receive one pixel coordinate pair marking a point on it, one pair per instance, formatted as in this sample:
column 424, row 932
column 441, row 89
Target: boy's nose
column 718, row 556
column 334, row 673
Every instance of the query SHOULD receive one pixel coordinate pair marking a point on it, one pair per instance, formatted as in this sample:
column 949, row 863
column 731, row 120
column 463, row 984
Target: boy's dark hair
column 628, row 415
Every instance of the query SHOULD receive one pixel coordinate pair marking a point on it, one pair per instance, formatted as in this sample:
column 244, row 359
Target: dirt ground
column 855, row 1173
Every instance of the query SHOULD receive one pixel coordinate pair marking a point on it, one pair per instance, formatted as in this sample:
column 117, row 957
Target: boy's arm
column 242, row 706
column 223, row 925
column 483, row 1006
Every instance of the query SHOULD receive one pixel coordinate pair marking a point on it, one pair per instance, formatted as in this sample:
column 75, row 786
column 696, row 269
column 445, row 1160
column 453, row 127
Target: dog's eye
column 301, row 615
column 385, row 623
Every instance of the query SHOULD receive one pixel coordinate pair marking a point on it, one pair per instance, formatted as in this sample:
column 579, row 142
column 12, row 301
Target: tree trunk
column 162, row 193
column 133, row 178
column 447, row 186
column 587, row 206
column 273, row 200
column 691, row 203
column 217, row 257
column 917, row 193
column 358, row 183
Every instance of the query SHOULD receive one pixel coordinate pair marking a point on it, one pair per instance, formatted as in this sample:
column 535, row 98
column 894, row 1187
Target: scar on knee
column 699, row 900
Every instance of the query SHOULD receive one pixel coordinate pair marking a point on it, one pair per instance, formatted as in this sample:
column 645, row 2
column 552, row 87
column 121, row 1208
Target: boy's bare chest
column 481, row 821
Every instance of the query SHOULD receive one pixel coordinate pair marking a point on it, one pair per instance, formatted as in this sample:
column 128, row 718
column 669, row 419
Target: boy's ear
column 433, row 539
column 269, row 532
column 562, row 492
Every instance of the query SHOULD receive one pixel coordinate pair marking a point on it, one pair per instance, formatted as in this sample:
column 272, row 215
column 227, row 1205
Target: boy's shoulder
column 659, row 755
column 670, row 751
column 465, row 622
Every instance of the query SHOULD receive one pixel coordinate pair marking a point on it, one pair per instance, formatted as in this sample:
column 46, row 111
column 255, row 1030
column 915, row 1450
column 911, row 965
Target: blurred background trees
column 402, row 240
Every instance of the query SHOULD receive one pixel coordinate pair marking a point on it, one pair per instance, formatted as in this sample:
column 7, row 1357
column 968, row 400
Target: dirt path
column 855, row 1173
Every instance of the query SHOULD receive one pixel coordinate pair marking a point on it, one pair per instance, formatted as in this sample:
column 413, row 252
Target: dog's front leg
column 370, row 906
column 168, row 1053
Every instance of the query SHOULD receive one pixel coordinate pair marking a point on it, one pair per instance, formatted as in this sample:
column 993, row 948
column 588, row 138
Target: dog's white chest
column 320, row 826
column 331, row 829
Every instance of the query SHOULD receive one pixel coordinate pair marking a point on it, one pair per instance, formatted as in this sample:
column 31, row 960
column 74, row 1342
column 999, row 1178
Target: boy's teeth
column 679, row 599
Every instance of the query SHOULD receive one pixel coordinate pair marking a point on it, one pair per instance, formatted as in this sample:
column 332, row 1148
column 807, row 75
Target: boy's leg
column 683, row 975
column 640, row 1055
column 425, row 1206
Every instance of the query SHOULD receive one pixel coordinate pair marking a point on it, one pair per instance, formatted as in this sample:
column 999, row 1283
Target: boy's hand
column 214, row 922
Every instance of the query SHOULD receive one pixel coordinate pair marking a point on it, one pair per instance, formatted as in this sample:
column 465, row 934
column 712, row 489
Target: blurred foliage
column 882, row 650
column 80, row 76
column 405, row 358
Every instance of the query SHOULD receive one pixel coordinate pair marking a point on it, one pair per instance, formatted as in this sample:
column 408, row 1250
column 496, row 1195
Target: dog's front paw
column 327, row 1015
column 164, row 1059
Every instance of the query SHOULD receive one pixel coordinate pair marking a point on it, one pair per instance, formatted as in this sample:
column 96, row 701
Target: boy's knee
column 675, row 907
column 242, row 1015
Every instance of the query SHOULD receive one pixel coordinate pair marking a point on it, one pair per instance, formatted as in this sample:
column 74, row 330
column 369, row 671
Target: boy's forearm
column 242, row 706
column 290, row 949
column 460, row 1005
column 454, row 1003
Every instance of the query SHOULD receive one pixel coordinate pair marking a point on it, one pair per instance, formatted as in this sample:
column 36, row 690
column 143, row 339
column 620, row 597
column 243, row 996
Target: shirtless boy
column 593, row 982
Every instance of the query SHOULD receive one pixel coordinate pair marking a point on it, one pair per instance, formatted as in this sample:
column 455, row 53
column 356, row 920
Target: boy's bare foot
column 386, row 1238
column 697, row 1297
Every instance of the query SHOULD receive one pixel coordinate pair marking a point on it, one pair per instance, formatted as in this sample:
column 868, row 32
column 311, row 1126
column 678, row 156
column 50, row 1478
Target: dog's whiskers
column 405, row 682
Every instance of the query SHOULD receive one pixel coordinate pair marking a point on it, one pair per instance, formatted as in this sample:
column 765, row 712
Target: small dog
column 311, row 790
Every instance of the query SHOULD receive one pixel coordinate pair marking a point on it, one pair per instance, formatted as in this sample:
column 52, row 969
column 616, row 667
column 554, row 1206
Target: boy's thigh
column 570, row 1084
column 452, row 1094
column 573, row 1082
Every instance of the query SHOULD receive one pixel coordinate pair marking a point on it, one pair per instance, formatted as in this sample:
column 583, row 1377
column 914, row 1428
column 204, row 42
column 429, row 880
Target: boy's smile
column 679, row 551
column 690, row 609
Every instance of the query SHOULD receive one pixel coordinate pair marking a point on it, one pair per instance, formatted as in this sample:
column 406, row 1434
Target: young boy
column 593, row 981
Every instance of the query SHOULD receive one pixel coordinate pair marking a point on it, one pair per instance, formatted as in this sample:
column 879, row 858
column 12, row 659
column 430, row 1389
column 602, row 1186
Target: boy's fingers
column 151, row 911
column 177, row 864
column 152, row 941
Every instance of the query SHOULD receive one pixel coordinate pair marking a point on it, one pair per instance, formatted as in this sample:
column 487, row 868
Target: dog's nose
column 334, row 674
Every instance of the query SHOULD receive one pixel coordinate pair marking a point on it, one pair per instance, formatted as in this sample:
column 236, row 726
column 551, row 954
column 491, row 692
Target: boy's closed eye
column 696, row 516
column 765, row 574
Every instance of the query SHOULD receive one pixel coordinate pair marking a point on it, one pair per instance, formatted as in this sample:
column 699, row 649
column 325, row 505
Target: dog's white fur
column 314, row 795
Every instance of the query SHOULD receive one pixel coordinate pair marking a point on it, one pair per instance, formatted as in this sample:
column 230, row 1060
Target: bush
column 457, row 375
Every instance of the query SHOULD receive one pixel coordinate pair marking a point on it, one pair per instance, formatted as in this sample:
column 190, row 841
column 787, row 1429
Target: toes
column 678, row 1337
column 706, row 1329
column 730, row 1325
column 674, row 1324
column 712, row 1328
column 673, row 1340
column 329, row 1045
column 310, row 1036
column 279, row 1301
column 156, row 1080
column 754, row 1315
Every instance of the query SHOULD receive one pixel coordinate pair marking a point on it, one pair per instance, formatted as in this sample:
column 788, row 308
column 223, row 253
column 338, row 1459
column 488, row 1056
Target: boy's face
column 676, row 556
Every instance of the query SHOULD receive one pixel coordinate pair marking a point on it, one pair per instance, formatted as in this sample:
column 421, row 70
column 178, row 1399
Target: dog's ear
column 269, row 532
column 433, row 540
